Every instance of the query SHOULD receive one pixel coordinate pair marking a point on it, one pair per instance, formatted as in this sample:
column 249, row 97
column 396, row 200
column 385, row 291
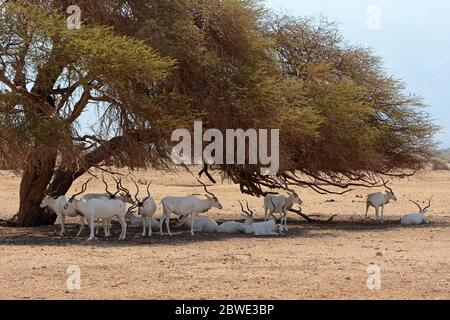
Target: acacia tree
column 150, row 66
column 49, row 76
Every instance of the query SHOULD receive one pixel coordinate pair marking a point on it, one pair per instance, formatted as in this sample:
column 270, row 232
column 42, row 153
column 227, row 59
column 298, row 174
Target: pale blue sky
column 414, row 41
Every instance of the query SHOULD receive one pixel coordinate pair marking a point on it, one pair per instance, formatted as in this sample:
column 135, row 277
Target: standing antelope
column 57, row 205
column 146, row 209
column 225, row 176
column 378, row 200
column 188, row 205
column 102, row 208
column 281, row 204
column 120, row 194
column 417, row 218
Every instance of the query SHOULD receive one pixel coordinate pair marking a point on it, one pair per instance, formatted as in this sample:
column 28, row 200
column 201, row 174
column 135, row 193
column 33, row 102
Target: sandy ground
column 314, row 261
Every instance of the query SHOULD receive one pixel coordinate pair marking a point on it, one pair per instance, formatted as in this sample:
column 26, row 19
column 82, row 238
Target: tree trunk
column 62, row 181
column 36, row 180
column 33, row 187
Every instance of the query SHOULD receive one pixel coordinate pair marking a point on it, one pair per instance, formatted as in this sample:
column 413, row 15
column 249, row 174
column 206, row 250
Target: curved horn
column 131, row 208
column 106, row 186
column 120, row 187
column 125, row 189
column 242, row 208
column 137, row 191
column 148, row 188
column 420, row 208
column 206, row 189
column 83, row 189
column 118, row 183
column 386, row 186
column 248, row 208
column 429, row 205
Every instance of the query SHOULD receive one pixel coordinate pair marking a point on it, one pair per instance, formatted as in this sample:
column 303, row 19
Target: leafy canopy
column 149, row 66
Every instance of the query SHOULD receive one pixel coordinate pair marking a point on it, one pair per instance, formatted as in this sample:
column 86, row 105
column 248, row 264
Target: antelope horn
column 248, row 208
column 206, row 189
column 429, row 205
column 148, row 188
column 242, row 208
column 131, row 208
column 386, row 186
column 118, row 182
column 83, row 189
column 137, row 190
column 106, row 186
column 122, row 188
column 420, row 208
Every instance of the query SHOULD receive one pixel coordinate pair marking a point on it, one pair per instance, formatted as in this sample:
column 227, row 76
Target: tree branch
column 79, row 106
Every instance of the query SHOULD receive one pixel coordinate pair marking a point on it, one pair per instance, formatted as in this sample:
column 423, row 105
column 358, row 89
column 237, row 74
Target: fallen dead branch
column 309, row 219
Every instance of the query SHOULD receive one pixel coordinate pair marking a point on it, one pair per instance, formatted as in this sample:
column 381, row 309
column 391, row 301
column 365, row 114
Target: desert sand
column 313, row 261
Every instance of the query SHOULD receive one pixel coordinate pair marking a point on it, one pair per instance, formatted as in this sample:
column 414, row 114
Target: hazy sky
column 413, row 39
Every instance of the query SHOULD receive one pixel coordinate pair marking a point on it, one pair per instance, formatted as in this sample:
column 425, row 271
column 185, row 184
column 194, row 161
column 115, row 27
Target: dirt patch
column 314, row 261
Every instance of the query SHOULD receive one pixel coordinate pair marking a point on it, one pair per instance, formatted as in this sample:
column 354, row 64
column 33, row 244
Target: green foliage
column 150, row 66
column 38, row 51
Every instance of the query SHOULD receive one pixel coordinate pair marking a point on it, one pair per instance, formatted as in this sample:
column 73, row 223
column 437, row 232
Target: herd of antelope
column 103, row 207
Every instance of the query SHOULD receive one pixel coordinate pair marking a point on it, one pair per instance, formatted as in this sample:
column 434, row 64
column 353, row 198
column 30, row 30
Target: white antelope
column 201, row 224
column 136, row 221
column 417, row 218
column 266, row 228
column 124, row 195
column 231, row 227
column 57, row 205
column 281, row 204
column 225, row 176
column 104, row 209
column 188, row 205
column 146, row 209
column 379, row 200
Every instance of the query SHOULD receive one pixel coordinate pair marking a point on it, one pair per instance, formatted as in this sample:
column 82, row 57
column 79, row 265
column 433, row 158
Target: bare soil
column 313, row 261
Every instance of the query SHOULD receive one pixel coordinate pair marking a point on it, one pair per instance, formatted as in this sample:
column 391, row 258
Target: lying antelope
column 201, row 224
column 266, row 228
column 417, row 218
column 231, row 227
